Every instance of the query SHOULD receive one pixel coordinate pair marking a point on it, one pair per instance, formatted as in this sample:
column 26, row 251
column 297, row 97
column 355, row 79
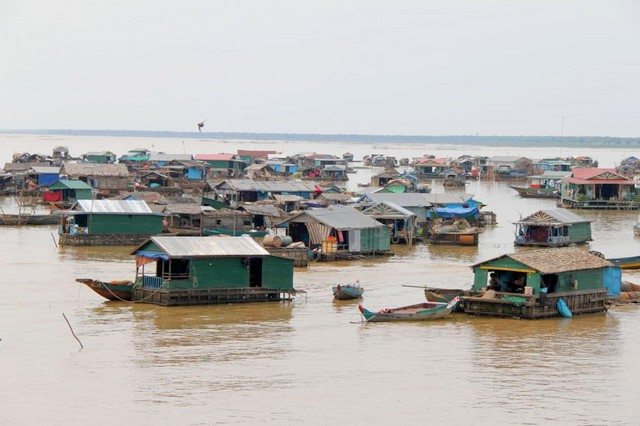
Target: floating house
column 44, row 176
column 103, row 157
column 173, row 271
column 384, row 177
column 260, row 171
column 106, row 178
column 251, row 155
column 190, row 170
column 160, row 159
column 531, row 282
column 234, row 192
column 553, row 164
column 183, row 218
column 108, row 222
column 347, row 230
column 222, row 164
column 334, row 172
column 68, row 192
column 509, row 167
column 430, row 168
column 552, row 228
column 402, row 222
column 347, row 156
column 594, row 188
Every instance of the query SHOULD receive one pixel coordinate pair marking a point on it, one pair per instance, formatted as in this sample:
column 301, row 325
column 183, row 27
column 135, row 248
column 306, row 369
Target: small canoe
column 234, row 233
column 419, row 312
column 347, row 291
column 536, row 192
column 29, row 219
column 115, row 290
column 632, row 262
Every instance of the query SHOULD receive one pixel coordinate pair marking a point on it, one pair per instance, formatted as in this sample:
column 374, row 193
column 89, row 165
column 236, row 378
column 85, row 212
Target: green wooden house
column 209, row 270
column 529, row 283
column 108, row 222
column 71, row 191
column 552, row 228
column 103, row 157
column 594, row 188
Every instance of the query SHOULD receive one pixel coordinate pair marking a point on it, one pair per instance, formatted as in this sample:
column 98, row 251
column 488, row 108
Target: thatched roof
column 555, row 260
column 95, row 169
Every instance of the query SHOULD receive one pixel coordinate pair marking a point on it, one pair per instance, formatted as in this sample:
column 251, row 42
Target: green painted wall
column 505, row 262
column 124, row 224
column 375, row 239
column 222, row 272
column 277, row 273
column 480, row 278
column 587, row 280
column 580, row 232
column 81, row 194
column 533, row 280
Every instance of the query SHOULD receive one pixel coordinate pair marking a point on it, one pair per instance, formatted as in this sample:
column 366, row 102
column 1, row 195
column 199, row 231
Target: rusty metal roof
column 214, row 246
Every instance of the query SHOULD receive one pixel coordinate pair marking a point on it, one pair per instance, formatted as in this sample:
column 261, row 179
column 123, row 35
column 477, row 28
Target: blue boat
column 347, row 291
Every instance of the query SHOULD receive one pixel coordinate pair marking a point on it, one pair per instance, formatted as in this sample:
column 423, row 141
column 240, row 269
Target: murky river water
column 309, row 360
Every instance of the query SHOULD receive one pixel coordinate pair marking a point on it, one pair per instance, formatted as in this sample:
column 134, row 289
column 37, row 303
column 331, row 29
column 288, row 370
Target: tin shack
column 552, row 228
column 108, row 223
column 339, row 230
column 209, row 270
column 529, row 284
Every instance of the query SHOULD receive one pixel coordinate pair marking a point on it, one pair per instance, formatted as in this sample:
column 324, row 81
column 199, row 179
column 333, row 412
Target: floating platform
column 102, row 239
column 516, row 305
column 217, row 296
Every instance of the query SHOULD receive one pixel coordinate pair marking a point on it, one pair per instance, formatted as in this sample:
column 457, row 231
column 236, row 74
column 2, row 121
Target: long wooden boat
column 234, row 233
column 418, row 312
column 632, row 262
column 115, row 290
column 347, row 291
column 536, row 192
column 29, row 219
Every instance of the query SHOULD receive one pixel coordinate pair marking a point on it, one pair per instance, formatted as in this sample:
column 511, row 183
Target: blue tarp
column 455, row 212
column 151, row 254
column 613, row 280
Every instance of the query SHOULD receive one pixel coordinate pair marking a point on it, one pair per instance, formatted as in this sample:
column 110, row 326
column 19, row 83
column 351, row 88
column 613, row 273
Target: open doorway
column 255, row 272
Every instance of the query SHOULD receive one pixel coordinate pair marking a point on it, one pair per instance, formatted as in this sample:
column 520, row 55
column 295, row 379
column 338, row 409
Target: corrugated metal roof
column 46, row 170
column 340, row 217
column 505, row 159
column 268, row 186
column 417, row 199
column 169, row 157
column 286, row 198
column 551, row 216
column 131, row 207
column 95, row 169
column 214, row 157
column 209, row 246
column 70, row 184
column 551, row 174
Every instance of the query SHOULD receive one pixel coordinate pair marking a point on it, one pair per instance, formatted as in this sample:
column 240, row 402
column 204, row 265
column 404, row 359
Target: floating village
column 234, row 227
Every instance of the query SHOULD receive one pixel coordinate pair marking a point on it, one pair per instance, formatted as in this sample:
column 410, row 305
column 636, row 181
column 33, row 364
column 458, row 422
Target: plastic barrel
column 277, row 241
column 267, row 241
column 286, row 240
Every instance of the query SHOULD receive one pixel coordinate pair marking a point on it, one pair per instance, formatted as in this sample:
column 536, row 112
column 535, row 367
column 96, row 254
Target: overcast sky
column 373, row 67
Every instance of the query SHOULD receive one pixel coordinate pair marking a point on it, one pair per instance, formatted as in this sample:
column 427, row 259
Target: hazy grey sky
column 382, row 67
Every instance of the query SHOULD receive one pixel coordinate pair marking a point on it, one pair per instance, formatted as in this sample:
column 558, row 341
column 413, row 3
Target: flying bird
column 201, row 125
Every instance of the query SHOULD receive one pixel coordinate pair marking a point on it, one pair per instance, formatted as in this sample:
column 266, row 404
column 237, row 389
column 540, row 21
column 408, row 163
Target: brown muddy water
column 309, row 360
